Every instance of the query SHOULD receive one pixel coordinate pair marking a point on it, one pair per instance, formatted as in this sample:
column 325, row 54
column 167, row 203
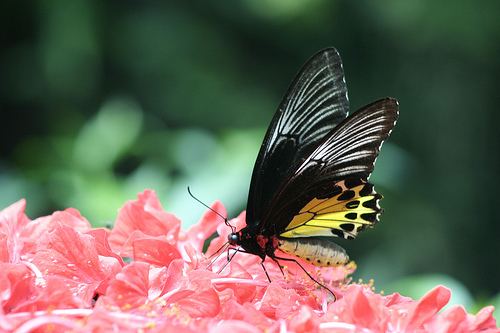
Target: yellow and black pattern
column 343, row 215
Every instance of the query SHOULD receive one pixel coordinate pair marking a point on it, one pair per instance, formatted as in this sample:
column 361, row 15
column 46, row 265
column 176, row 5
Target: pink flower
column 59, row 274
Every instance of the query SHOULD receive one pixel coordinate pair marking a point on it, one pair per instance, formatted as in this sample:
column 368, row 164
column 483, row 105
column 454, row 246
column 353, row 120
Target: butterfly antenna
column 213, row 210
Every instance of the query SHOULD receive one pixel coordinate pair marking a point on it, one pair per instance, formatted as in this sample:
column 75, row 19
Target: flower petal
column 234, row 326
column 427, row 306
column 12, row 221
column 483, row 321
column 155, row 251
column 129, row 289
column 67, row 253
column 195, row 303
column 147, row 215
column 232, row 310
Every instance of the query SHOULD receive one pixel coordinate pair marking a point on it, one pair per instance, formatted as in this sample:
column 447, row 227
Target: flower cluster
column 57, row 273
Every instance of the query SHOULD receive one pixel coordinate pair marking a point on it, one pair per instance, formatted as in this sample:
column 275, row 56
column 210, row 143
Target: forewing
column 313, row 105
column 347, row 152
column 350, row 150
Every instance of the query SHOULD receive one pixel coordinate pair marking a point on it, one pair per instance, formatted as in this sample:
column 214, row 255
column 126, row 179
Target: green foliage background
column 100, row 100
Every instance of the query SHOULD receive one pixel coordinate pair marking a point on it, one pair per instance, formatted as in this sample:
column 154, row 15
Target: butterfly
column 310, row 180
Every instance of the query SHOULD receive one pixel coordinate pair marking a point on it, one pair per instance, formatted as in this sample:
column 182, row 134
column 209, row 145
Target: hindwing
column 343, row 215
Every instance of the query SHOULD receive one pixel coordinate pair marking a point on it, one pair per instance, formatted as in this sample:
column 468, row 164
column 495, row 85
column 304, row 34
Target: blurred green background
column 101, row 100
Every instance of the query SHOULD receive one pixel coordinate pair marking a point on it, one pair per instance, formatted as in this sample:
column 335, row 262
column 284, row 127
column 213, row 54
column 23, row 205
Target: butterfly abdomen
column 317, row 251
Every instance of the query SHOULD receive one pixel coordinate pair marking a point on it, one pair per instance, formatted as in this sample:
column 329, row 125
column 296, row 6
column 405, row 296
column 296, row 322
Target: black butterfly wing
column 313, row 105
column 350, row 149
column 328, row 193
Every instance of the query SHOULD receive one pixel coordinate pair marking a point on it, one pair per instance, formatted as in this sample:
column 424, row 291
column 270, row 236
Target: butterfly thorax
column 254, row 243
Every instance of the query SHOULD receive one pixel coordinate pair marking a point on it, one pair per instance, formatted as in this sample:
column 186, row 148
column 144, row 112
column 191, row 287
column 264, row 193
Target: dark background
column 100, row 100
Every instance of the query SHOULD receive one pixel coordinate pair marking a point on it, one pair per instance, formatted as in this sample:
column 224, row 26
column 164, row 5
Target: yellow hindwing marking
column 335, row 217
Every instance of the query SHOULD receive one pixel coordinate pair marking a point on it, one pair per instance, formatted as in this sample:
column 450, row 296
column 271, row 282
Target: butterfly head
column 234, row 238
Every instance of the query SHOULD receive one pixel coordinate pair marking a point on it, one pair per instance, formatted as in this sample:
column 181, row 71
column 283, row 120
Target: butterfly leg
column 305, row 271
column 229, row 257
column 265, row 270
column 221, row 250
